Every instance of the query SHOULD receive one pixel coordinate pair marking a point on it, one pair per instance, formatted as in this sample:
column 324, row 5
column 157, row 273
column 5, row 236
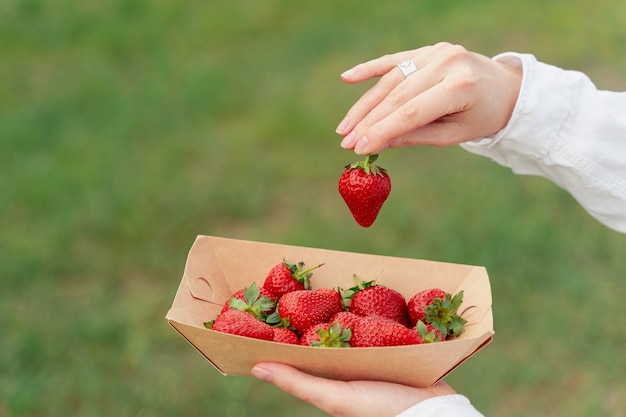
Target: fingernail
column 342, row 125
column 261, row 373
column 349, row 73
column 348, row 141
column 361, row 146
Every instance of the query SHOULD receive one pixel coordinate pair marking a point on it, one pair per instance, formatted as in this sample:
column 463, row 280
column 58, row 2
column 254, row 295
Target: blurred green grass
column 130, row 126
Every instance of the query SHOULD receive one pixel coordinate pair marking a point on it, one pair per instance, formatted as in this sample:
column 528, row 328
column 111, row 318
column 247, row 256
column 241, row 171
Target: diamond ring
column 407, row 67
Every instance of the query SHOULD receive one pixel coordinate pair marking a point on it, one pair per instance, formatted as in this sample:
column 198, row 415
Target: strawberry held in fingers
column 364, row 187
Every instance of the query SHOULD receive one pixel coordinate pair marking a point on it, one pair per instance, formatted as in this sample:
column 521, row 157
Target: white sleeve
column 563, row 128
column 454, row 405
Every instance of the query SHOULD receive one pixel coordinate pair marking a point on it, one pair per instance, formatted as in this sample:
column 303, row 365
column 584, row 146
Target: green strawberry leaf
column 251, row 293
column 301, row 275
column 238, row 304
column 349, row 293
column 367, row 166
column 428, row 337
column 275, row 320
column 336, row 336
column 253, row 302
column 442, row 314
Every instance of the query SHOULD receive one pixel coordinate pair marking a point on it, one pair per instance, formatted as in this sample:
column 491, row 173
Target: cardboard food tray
column 217, row 267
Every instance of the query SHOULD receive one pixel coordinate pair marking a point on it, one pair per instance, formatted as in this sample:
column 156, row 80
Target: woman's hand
column 455, row 96
column 347, row 399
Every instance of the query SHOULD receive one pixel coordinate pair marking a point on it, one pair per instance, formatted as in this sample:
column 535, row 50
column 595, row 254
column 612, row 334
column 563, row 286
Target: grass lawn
column 128, row 127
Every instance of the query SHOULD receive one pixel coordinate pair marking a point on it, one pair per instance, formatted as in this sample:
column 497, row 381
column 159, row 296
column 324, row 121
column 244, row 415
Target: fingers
column 320, row 392
column 376, row 67
column 390, row 76
column 393, row 112
column 370, row 100
column 407, row 121
column 347, row 399
column 418, row 121
column 397, row 109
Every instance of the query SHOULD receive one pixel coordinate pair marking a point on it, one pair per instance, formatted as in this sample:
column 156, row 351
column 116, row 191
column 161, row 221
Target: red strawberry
column 374, row 331
column 326, row 335
column 243, row 324
column 438, row 308
column 364, row 187
column 259, row 302
column 285, row 277
column 369, row 298
column 282, row 335
column 302, row 309
column 345, row 319
column 419, row 301
column 310, row 335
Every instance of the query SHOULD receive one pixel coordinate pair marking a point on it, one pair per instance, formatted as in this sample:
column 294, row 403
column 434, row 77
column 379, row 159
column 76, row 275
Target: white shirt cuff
column 454, row 405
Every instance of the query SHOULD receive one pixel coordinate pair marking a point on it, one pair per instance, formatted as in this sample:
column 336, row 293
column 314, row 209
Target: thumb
column 320, row 392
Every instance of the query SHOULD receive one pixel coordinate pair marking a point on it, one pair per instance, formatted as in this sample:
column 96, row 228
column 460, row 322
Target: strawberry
column 259, row 302
column 302, row 309
column 419, row 301
column 326, row 335
column 285, row 277
column 283, row 335
column 345, row 319
column 438, row 308
column 369, row 298
column 364, row 187
column 375, row 331
column 243, row 324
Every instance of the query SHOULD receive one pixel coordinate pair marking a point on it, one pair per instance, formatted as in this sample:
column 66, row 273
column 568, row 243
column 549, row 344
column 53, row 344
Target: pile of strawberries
column 286, row 309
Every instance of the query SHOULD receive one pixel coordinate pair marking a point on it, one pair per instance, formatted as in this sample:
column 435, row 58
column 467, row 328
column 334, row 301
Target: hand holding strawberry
column 364, row 187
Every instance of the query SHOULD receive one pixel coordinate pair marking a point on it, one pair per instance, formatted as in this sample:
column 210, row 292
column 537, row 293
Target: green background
column 128, row 127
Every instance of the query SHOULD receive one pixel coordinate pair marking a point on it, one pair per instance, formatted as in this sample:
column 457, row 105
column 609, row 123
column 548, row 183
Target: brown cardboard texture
column 217, row 267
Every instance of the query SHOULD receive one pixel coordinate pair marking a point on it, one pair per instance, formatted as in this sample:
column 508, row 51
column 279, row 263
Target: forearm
column 566, row 130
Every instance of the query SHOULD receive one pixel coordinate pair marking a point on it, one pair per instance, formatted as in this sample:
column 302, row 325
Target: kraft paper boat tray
column 216, row 267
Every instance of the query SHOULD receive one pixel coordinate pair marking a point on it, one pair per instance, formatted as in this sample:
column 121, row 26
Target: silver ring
column 407, row 67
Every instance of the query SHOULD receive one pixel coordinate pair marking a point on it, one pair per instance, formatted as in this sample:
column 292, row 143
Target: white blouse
column 565, row 129
column 562, row 128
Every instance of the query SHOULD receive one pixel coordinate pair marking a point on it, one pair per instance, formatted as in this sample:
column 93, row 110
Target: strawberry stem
column 370, row 158
column 368, row 166
column 306, row 271
column 300, row 275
